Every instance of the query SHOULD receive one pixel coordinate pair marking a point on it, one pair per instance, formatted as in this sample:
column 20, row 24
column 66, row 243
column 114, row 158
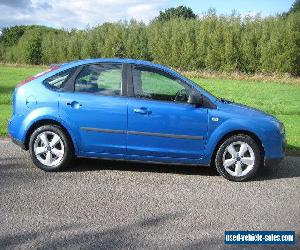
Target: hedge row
column 224, row 43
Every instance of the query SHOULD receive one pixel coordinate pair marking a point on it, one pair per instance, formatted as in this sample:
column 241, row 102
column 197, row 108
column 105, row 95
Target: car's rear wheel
column 50, row 148
column 238, row 158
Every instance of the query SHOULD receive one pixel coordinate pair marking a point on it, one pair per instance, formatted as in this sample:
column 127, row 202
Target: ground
column 126, row 205
column 279, row 99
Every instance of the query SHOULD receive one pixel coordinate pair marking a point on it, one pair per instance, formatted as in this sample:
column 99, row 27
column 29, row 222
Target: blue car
column 129, row 109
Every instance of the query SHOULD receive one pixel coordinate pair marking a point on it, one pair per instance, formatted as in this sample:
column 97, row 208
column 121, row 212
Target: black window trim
column 69, row 86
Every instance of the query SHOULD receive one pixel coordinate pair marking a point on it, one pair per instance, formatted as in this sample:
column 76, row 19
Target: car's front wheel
column 238, row 158
column 50, row 148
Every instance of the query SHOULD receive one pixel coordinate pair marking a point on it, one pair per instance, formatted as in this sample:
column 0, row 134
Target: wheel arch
column 238, row 132
column 43, row 122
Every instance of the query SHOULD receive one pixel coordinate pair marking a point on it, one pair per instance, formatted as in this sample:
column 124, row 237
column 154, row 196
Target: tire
column 238, row 158
column 50, row 148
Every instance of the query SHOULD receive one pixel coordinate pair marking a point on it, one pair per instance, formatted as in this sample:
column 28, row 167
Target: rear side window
column 57, row 81
column 103, row 79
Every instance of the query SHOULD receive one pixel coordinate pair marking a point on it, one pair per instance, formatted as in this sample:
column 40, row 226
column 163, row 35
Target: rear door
column 160, row 121
column 96, row 109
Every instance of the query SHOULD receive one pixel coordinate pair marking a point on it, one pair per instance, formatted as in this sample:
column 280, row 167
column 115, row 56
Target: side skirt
column 143, row 159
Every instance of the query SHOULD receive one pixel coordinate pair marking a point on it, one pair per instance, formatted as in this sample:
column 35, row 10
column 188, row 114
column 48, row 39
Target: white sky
column 83, row 13
column 76, row 13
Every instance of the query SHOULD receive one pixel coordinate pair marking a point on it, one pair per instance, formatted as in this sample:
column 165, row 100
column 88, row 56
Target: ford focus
column 128, row 109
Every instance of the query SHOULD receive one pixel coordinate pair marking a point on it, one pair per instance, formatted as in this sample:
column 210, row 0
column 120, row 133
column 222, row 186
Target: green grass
column 281, row 100
column 10, row 76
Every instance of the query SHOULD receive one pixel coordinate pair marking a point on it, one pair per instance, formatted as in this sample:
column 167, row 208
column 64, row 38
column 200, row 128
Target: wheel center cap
column 238, row 158
column 48, row 148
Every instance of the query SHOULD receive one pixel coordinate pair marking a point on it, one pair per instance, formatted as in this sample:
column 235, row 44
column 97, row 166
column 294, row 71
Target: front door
column 160, row 121
column 96, row 110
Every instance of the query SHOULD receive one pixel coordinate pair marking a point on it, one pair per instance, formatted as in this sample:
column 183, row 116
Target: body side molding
column 191, row 137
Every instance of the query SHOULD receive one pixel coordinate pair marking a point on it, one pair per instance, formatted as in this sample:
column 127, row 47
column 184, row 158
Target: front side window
column 57, row 81
column 102, row 79
column 150, row 83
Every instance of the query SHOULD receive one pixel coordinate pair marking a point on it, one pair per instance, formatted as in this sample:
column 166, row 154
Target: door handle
column 142, row 111
column 74, row 104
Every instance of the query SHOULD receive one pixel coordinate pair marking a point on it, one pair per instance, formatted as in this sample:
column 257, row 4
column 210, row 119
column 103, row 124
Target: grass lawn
column 281, row 100
column 10, row 76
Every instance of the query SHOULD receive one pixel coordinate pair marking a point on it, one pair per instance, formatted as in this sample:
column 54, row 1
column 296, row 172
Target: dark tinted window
column 154, row 84
column 102, row 79
column 57, row 81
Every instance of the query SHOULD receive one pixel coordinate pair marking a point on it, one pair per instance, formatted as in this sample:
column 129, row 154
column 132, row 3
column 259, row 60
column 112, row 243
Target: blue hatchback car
column 135, row 110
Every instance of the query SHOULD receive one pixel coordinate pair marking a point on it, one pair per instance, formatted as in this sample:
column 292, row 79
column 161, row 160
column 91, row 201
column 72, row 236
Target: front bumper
column 279, row 154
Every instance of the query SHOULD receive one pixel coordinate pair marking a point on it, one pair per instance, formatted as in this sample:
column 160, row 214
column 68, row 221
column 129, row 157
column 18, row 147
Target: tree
column 250, row 44
column 10, row 36
column 295, row 7
column 212, row 42
column 29, row 47
column 178, row 12
column 136, row 42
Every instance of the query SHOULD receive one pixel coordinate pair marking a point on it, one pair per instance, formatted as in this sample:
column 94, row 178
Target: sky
column 88, row 13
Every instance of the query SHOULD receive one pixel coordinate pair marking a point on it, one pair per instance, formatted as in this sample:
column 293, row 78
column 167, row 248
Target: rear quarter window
column 57, row 81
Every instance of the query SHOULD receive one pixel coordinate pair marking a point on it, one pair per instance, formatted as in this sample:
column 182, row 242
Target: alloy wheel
column 238, row 159
column 49, row 148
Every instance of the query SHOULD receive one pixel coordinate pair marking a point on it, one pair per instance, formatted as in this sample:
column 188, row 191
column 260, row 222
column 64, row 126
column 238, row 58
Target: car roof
column 114, row 60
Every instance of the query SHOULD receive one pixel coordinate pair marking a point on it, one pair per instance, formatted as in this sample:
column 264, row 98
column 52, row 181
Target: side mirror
column 195, row 99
